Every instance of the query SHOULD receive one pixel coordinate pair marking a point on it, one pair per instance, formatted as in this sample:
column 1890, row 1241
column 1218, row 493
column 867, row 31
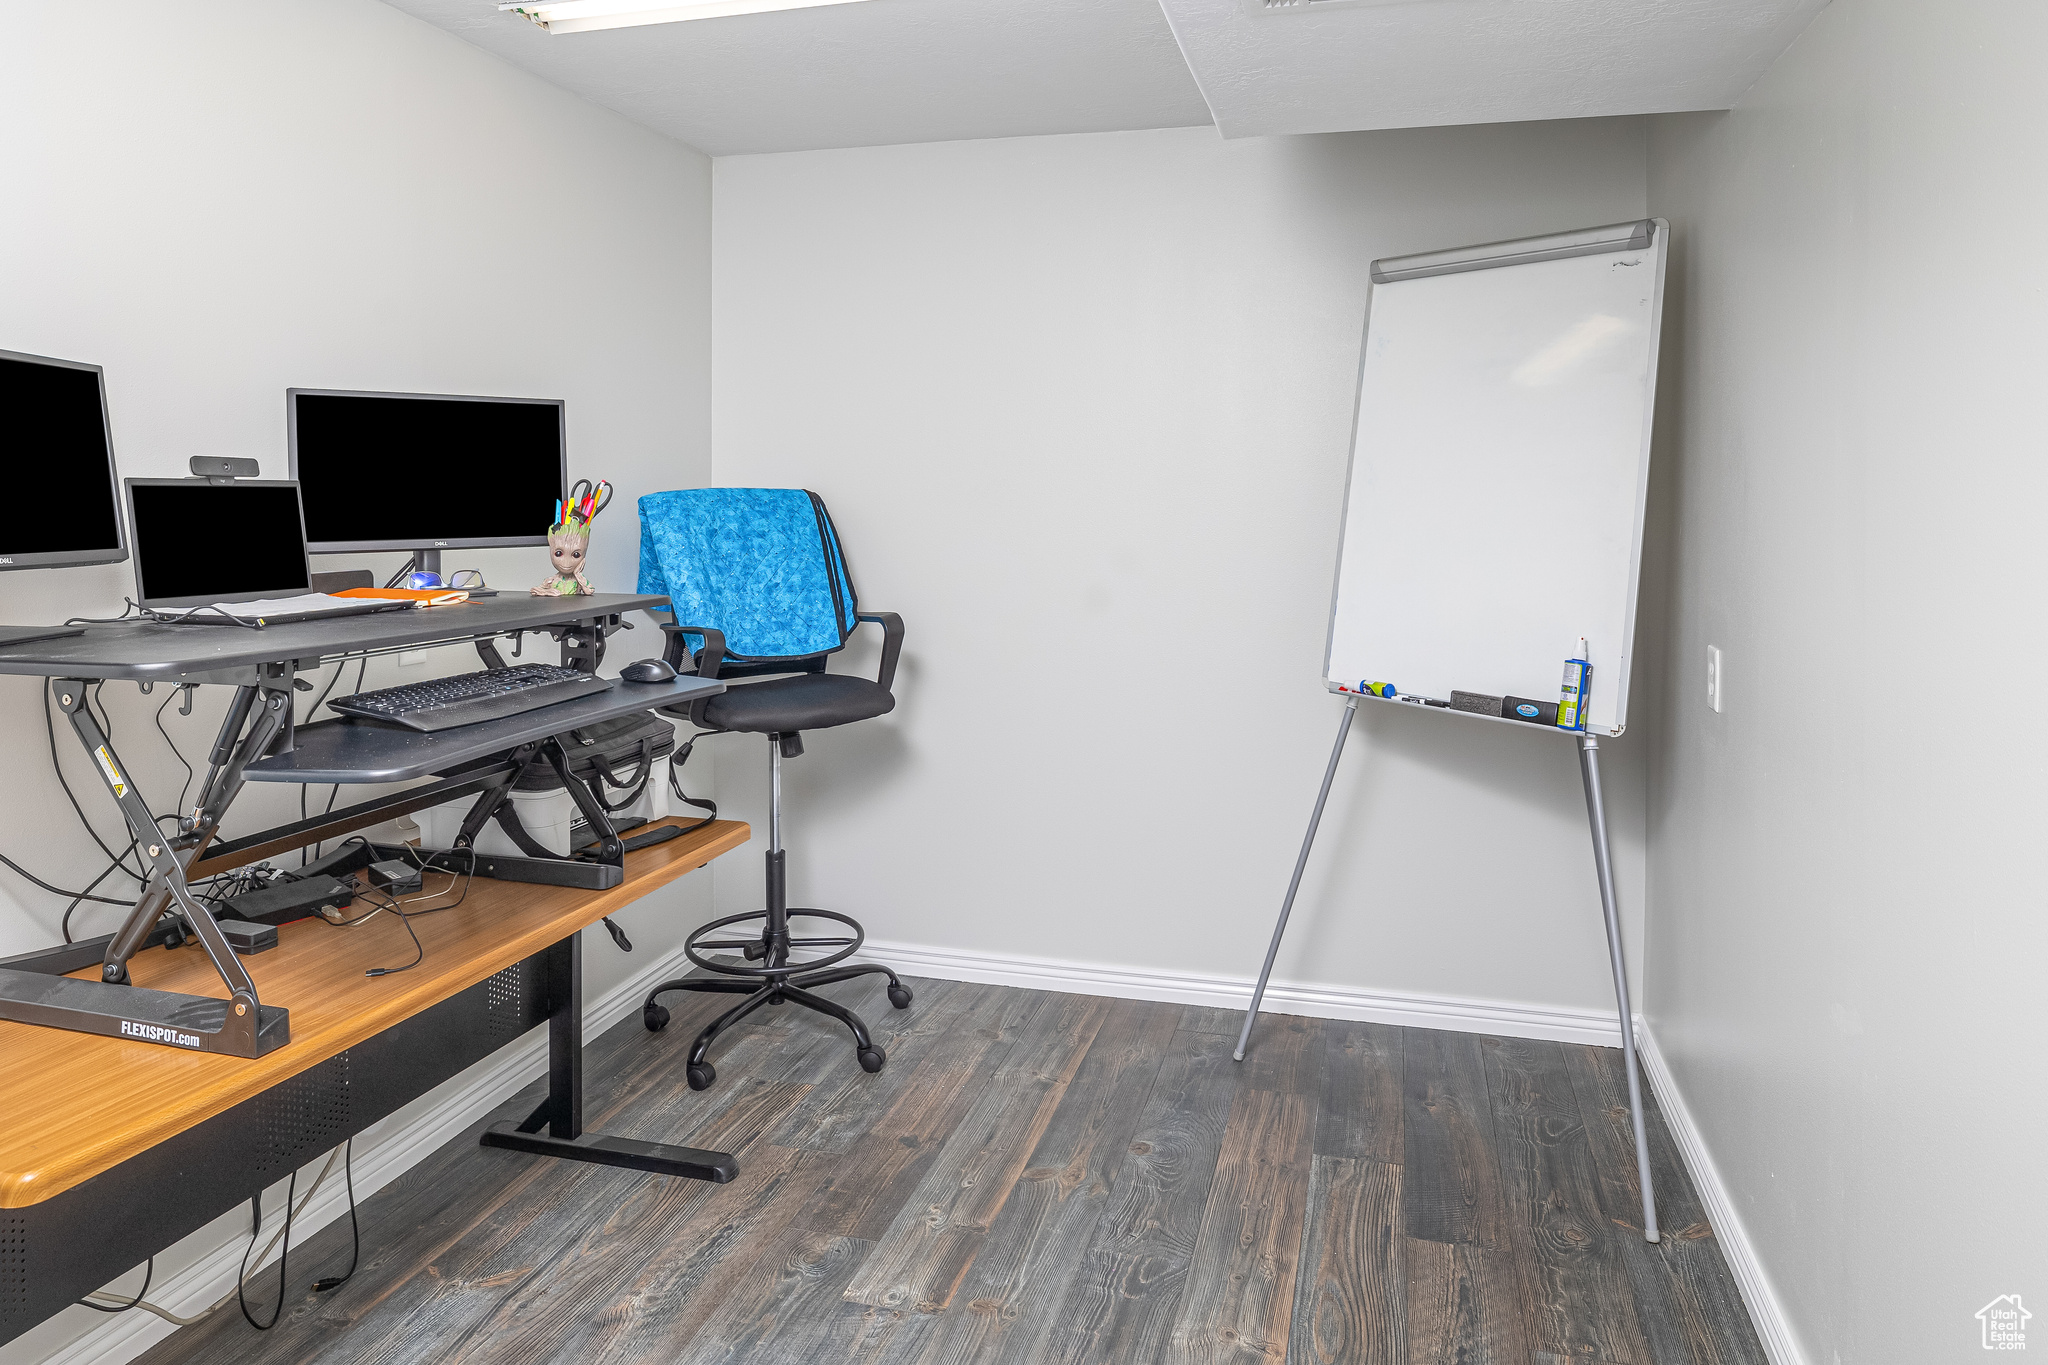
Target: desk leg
column 1603, row 865
column 561, row 1113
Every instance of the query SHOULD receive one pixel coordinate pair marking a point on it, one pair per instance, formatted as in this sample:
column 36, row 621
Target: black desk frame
column 258, row 733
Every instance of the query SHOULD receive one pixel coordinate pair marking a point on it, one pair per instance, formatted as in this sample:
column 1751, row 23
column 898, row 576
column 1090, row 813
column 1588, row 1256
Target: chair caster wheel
column 871, row 1058
column 899, row 996
column 701, row 1076
column 655, row 1017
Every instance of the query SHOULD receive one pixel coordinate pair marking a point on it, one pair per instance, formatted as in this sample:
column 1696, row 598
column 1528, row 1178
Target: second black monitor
column 411, row 471
column 61, row 462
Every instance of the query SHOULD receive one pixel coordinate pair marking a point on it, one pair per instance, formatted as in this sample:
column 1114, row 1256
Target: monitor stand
column 22, row 635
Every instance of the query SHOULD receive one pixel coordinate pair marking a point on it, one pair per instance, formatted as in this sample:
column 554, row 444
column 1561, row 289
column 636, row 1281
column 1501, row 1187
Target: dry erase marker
column 1379, row 689
column 1571, row 701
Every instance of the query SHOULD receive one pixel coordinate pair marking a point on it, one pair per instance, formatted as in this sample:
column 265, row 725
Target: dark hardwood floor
column 1040, row 1179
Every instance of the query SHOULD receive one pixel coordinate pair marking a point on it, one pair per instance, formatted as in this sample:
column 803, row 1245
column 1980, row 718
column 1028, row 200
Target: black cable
column 397, row 907
column 107, row 726
column 312, row 711
column 58, row 890
column 355, row 1233
column 65, row 924
column 176, row 753
column 419, row 953
column 50, row 727
column 388, row 905
column 106, row 721
column 426, row 865
column 284, row 1254
column 676, row 760
column 131, row 610
column 192, row 618
column 148, row 1274
column 362, row 668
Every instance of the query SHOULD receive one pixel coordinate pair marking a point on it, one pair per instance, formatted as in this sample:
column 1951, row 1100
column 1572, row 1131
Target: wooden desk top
column 78, row 1104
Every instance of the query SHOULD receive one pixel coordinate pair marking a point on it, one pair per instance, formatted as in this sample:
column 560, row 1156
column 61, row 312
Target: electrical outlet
column 1715, row 678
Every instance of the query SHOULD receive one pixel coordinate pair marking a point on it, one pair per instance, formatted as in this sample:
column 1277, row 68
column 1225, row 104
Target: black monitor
column 198, row 542
column 426, row 472
column 53, row 414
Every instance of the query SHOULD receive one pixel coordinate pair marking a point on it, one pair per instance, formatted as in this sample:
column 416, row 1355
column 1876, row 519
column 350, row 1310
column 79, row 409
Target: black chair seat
column 808, row 701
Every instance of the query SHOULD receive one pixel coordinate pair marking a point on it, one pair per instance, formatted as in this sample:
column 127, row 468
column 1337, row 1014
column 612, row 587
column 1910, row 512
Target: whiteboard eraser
column 1478, row 703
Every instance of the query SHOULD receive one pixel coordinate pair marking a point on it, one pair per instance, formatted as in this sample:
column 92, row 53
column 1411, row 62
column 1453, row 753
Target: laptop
column 229, row 550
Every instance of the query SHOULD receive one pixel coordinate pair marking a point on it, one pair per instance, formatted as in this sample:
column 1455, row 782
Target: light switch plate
column 1715, row 687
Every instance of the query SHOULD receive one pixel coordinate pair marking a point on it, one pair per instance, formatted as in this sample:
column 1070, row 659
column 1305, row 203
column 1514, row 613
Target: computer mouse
column 647, row 670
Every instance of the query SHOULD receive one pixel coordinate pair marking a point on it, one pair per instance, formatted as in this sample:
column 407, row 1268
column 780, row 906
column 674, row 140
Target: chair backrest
column 762, row 565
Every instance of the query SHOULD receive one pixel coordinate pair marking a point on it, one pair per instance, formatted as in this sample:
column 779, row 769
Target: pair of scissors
column 598, row 496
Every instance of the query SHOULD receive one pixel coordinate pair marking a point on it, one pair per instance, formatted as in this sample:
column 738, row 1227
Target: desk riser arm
column 269, row 705
column 238, row 1027
column 231, row 726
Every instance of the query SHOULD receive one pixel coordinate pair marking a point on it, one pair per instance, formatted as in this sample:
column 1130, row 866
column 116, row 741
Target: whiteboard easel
column 1493, row 513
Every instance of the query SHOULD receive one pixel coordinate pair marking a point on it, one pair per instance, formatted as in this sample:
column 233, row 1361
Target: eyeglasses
column 460, row 578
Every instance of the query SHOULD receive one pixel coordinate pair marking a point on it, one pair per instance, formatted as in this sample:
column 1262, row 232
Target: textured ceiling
column 1331, row 65
column 887, row 71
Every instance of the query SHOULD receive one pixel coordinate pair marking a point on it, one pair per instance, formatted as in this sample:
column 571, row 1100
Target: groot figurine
column 568, row 543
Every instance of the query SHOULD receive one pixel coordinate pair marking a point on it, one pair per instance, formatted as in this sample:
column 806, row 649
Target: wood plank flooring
column 1039, row 1179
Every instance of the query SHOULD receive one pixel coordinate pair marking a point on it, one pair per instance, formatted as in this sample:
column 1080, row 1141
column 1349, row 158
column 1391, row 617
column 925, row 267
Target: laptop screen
column 197, row 543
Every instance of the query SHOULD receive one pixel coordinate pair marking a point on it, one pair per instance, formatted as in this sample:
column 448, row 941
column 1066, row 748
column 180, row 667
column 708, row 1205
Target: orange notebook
column 426, row 597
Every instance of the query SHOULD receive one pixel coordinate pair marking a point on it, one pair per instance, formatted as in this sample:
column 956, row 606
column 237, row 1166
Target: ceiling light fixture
column 582, row 16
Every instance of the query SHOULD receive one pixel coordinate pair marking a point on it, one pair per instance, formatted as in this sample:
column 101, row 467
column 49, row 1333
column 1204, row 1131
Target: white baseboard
column 116, row 1340
column 1503, row 1018
column 1766, row 1310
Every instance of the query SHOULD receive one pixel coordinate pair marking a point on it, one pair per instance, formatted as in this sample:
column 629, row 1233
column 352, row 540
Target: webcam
column 222, row 468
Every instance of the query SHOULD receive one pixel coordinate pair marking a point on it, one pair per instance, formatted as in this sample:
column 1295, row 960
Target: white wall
column 1080, row 406
column 217, row 202
column 1847, row 941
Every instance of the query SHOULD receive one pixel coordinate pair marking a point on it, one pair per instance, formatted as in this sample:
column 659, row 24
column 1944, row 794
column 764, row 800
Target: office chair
column 759, row 587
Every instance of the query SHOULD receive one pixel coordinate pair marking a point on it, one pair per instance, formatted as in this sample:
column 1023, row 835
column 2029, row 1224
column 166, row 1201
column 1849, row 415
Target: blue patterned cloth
column 761, row 565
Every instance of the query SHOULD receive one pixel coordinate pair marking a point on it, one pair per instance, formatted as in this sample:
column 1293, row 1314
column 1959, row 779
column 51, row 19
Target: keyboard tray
column 364, row 751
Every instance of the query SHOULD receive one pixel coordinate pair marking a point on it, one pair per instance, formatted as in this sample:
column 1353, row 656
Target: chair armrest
column 708, row 658
column 892, row 643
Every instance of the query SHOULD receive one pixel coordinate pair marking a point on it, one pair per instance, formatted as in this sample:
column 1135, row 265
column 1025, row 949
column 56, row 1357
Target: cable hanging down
column 102, row 1301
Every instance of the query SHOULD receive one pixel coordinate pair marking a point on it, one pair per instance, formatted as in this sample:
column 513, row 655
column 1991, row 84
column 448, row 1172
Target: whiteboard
column 1500, row 454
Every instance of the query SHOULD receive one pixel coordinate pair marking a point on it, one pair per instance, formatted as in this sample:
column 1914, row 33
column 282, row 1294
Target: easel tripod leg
column 1294, row 884
column 1603, row 862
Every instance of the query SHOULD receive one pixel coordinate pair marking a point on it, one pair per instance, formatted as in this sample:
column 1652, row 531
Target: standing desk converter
column 170, row 1015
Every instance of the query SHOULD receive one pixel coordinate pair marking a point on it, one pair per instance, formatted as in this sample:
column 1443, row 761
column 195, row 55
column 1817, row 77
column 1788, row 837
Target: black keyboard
column 444, row 703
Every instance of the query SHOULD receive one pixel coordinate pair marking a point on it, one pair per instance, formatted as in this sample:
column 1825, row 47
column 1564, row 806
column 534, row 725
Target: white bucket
column 545, row 815
column 650, row 804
